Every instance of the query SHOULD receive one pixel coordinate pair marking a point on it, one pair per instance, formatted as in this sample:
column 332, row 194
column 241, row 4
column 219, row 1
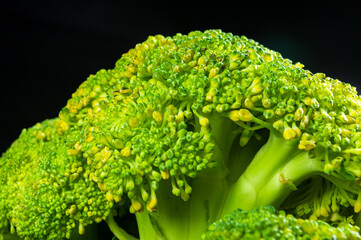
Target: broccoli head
column 183, row 131
column 46, row 194
column 268, row 223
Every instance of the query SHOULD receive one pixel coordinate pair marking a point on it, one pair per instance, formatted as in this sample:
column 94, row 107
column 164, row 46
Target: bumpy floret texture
column 158, row 116
column 151, row 112
column 47, row 195
column 268, row 223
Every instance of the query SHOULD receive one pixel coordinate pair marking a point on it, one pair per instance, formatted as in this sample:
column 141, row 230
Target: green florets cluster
column 132, row 140
column 46, row 194
column 268, row 223
column 177, row 111
column 163, row 93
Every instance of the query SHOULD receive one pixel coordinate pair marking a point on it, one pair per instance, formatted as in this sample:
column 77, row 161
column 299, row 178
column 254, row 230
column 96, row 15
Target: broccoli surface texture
column 182, row 132
column 268, row 223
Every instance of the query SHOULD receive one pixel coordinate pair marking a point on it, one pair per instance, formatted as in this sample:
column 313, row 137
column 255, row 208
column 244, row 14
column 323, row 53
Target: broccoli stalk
column 278, row 174
column 120, row 233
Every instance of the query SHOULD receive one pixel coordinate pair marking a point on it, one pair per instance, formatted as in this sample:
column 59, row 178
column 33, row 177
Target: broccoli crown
column 45, row 194
column 153, row 112
column 268, row 223
column 188, row 113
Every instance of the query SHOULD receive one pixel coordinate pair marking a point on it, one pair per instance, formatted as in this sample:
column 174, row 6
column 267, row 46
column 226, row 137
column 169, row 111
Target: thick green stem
column 169, row 222
column 287, row 179
column 148, row 226
column 268, row 160
column 271, row 157
column 118, row 231
column 205, row 204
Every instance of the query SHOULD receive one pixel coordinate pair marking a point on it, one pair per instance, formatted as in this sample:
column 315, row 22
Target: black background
column 49, row 47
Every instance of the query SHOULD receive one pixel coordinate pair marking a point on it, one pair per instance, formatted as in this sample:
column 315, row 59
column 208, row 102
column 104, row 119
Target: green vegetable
column 268, row 223
column 183, row 131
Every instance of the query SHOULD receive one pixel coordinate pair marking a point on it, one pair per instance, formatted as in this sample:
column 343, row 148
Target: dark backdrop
column 49, row 47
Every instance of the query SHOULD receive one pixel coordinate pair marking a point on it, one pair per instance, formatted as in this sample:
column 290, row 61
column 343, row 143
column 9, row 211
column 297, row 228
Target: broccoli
column 183, row 131
column 48, row 195
column 268, row 223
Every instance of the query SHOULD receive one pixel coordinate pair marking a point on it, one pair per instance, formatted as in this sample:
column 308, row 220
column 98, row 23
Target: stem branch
column 275, row 154
column 120, row 233
column 286, row 180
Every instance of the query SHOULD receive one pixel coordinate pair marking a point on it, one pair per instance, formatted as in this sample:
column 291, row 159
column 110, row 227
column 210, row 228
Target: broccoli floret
column 183, row 131
column 46, row 195
column 268, row 223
